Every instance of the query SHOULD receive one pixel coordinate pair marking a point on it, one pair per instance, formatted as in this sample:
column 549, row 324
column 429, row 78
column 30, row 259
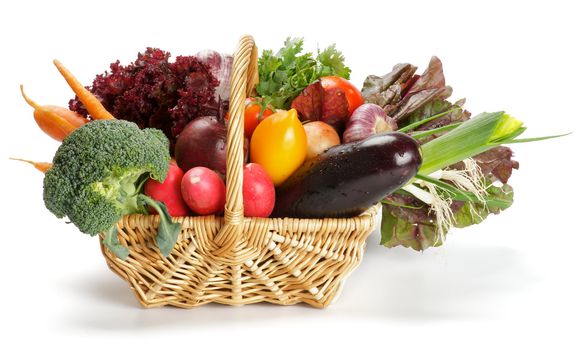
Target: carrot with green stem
column 41, row 166
column 90, row 101
column 57, row 122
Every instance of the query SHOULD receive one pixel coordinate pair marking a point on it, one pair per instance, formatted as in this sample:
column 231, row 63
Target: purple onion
column 221, row 67
column 367, row 120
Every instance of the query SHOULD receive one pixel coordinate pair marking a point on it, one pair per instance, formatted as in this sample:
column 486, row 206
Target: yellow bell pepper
column 279, row 145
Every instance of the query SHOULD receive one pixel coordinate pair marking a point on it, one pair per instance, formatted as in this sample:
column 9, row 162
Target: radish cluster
column 202, row 191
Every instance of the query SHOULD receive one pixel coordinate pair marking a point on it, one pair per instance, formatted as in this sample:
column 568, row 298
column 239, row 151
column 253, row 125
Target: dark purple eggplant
column 347, row 179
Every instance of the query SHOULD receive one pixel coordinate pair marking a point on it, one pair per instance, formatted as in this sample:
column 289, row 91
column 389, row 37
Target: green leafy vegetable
column 413, row 226
column 285, row 74
column 423, row 134
column 462, row 156
column 332, row 63
column 436, row 113
column 423, row 119
column 401, row 92
column 388, row 89
column 475, row 136
column 499, row 198
column 460, row 195
column 397, row 231
column 497, row 163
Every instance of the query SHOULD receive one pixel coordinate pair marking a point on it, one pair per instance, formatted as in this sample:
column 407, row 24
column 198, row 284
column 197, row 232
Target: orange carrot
column 57, row 122
column 91, row 103
column 42, row 166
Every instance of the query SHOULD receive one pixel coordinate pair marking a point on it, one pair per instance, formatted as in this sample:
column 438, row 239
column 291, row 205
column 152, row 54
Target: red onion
column 367, row 120
column 221, row 67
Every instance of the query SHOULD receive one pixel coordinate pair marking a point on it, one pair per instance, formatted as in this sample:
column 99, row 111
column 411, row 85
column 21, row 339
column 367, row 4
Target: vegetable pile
column 150, row 137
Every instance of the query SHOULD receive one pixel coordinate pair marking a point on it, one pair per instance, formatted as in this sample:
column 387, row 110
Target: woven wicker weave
column 236, row 260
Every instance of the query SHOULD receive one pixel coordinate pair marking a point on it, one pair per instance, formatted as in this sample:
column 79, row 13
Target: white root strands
column 441, row 206
column 470, row 179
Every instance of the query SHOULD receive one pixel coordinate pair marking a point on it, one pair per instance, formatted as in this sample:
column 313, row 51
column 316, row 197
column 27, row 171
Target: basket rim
column 370, row 212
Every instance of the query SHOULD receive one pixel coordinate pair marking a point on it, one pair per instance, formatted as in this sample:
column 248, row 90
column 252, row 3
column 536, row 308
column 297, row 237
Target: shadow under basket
column 233, row 259
column 280, row 261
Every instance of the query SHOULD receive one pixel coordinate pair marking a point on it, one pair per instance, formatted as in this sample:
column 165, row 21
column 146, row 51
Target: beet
column 203, row 143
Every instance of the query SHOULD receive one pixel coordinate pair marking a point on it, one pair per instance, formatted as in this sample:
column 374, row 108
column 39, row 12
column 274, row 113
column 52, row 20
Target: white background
column 512, row 281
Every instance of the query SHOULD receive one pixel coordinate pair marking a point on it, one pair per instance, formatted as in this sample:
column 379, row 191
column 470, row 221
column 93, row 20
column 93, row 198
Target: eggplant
column 348, row 179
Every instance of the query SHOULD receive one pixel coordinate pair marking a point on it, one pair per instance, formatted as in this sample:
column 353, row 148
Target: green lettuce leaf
column 407, row 223
column 474, row 213
column 399, row 232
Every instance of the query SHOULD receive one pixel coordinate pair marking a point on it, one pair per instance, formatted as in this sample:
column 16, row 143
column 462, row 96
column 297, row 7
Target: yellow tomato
column 279, row 145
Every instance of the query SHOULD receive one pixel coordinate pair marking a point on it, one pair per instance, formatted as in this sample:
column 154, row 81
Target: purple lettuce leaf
column 387, row 89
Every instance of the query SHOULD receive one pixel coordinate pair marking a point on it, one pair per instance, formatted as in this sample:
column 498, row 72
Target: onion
column 367, row 120
column 221, row 67
column 319, row 137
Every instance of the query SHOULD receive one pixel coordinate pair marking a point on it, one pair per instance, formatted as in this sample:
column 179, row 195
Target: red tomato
column 204, row 191
column 252, row 115
column 168, row 192
column 258, row 190
column 353, row 95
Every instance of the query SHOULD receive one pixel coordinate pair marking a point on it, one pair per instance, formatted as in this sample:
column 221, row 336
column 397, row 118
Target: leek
column 472, row 137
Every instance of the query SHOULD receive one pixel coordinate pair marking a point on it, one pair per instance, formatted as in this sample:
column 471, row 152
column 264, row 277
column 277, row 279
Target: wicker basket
column 237, row 260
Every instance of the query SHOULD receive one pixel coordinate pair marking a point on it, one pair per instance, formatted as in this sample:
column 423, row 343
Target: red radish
column 258, row 190
column 204, row 191
column 169, row 192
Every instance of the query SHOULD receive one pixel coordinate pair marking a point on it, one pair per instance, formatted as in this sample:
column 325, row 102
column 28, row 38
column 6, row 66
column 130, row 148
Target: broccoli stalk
column 97, row 176
column 122, row 188
column 111, row 241
column 168, row 230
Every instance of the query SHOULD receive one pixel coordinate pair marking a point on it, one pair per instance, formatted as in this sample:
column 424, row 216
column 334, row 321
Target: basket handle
column 243, row 80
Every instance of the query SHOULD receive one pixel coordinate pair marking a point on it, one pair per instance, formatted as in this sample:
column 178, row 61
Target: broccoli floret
column 98, row 170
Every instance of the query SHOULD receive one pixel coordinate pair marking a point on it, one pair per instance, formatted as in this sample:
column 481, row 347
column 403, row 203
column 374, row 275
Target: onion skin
column 367, row 120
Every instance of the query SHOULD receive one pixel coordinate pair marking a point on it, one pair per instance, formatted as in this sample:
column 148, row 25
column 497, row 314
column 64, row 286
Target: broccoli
column 97, row 175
